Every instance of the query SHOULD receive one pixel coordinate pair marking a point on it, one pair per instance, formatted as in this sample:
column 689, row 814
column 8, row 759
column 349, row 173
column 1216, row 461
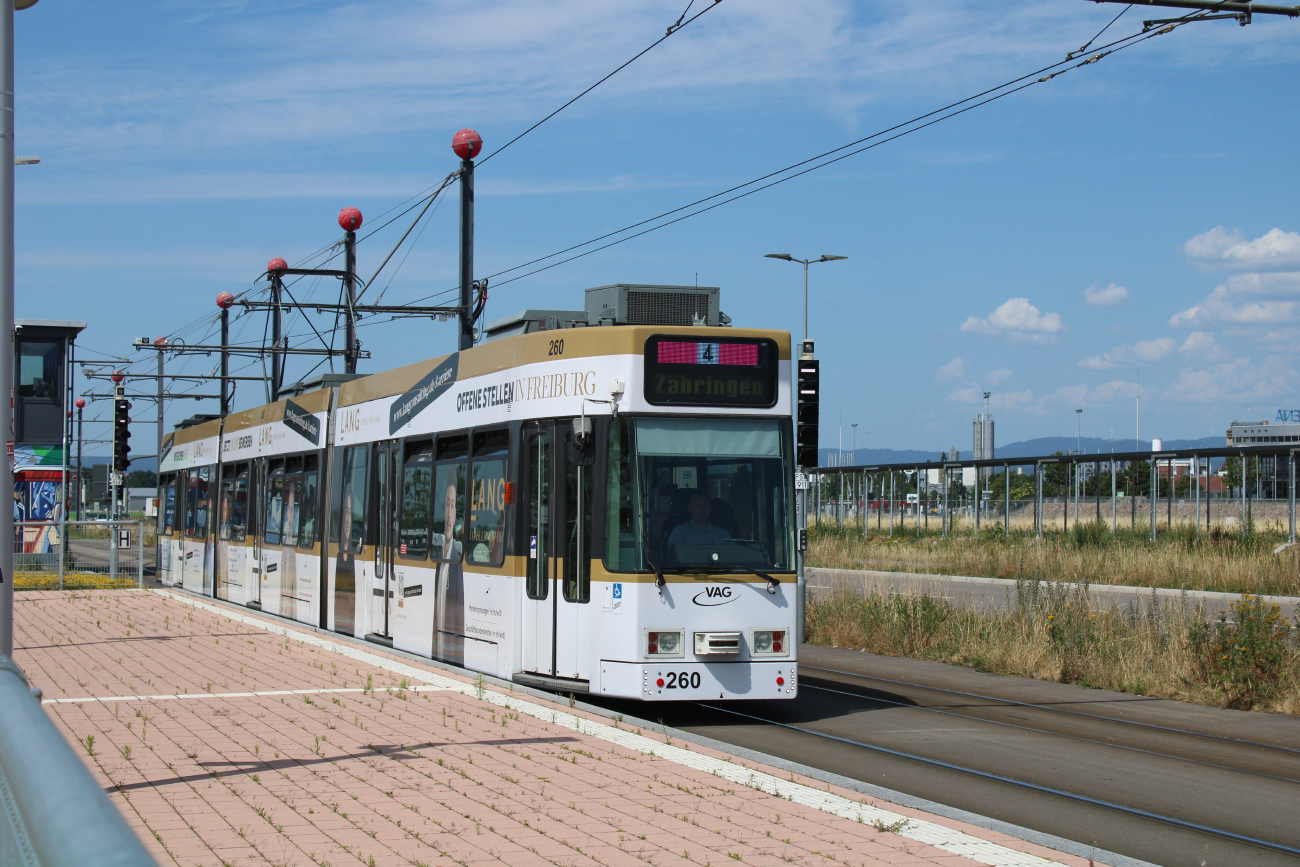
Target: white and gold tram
column 574, row 503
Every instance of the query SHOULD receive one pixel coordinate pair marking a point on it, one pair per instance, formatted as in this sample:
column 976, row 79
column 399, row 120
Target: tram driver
column 698, row 530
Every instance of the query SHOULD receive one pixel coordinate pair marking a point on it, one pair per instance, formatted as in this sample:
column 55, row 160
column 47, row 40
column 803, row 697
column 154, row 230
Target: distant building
column 1258, row 433
column 1272, row 478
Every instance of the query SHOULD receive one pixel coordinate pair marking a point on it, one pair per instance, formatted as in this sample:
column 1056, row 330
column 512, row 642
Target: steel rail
column 1047, row 790
column 1094, row 716
column 1078, row 738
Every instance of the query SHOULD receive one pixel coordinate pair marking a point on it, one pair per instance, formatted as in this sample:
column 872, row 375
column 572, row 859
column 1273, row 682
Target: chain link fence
column 82, row 555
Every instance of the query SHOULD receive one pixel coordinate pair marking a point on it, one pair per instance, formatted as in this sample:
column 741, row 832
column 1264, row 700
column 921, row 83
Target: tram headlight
column 664, row 642
column 769, row 642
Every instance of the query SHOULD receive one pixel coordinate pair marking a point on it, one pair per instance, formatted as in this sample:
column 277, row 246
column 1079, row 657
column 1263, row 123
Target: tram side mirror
column 583, row 453
column 582, row 431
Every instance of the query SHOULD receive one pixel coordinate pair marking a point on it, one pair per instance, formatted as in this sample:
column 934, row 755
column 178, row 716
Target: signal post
column 808, row 385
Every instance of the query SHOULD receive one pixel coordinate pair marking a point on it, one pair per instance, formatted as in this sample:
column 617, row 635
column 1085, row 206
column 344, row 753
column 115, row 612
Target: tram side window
column 191, row 481
column 448, row 522
column 417, row 487
column 201, row 502
column 239, row 508
column 620, row 504
column 169, row 506
column 487, row 497
column 290, row 513
column 274, row 505
column 225, row 508
column 308, row 504
column 577, row 525
column 352, row 499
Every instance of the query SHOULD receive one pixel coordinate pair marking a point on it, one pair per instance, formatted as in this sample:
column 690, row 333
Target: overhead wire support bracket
column 1213, row 6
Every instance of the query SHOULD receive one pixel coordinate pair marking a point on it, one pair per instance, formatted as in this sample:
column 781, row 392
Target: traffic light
column 121, row 435
column 806, row 412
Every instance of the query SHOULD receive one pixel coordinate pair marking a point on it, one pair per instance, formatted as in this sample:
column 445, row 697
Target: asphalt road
column 1230, row 771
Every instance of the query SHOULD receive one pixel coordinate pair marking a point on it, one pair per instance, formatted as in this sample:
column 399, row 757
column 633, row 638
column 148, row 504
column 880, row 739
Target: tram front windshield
column 712, row 494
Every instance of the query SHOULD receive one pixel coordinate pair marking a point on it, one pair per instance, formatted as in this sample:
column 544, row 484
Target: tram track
column 1013, row 703
column 877, row 699
column 1163, row 781
column 1040, row 789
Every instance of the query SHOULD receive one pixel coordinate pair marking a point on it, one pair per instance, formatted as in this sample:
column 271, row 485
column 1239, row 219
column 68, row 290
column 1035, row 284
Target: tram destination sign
column 683, row 370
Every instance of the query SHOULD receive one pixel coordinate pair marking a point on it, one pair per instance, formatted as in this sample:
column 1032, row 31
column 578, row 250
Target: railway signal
column 121, row 431
column 806, row 411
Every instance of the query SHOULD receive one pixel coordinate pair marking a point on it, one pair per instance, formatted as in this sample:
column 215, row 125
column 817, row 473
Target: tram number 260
column 682, row 680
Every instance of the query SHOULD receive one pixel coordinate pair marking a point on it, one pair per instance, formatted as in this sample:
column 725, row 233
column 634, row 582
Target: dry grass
column 1089, row 553
column 1054, row 634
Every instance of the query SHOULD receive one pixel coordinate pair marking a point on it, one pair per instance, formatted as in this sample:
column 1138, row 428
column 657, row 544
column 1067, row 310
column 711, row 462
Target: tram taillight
column 769, row 642
column 664, row 643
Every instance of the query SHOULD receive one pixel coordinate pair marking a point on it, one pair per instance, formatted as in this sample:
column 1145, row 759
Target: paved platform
column 227, row 738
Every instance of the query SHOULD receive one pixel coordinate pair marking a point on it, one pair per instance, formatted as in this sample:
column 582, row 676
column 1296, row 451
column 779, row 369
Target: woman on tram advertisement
column 448, row 532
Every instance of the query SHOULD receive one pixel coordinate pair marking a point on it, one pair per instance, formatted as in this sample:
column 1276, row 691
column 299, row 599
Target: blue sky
column 1136, row 219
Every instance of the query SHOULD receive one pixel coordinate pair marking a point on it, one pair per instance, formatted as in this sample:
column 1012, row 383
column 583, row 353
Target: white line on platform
column 941, row 837
column 224, row 694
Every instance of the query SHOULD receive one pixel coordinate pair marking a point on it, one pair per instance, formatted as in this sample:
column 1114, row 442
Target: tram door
column 559, row 531
column 387, row 460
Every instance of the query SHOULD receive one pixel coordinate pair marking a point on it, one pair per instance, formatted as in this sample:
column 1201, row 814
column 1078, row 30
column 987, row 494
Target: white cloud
column 997, row 377
column 1245, row 299
column 1228, row 249
column 1145, row 351
column 1236, row 381
column 1201, row 345
column 1107, row 296
column 954, row 369
column 1018, row 321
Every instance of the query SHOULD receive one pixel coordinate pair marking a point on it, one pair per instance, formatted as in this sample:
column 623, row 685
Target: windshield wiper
column 772, row 583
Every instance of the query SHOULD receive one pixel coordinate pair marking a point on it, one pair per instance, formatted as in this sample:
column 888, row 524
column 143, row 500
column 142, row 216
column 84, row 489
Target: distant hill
column 1022, row 449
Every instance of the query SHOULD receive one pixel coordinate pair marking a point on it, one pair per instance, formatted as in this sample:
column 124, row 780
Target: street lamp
column 805, row 262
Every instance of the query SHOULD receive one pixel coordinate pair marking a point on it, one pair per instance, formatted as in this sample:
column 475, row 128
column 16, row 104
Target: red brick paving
column 388, row 776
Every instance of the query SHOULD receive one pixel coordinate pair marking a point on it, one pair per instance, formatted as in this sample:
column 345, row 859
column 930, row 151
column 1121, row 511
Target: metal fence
column 1097, row 488
column 81, row 554
column 52, row 811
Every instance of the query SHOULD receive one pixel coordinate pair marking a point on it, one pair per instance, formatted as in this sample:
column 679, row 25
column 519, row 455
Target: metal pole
column 1038, row 499
column 350, row 286
column 1169, row 507
column 1096, row 466
column 946, row 485
column 158, row 451
column 1207, row 495
column 81, row 482
column 1244, row 477
column 891, row 503
column 1290, row 496
column 225, row 368
column 467, row 256
column 801, row 504
column 805, row 305
column 1114, row 518
column 918, row 501
column 7, row 321
column 1155, row 493
column 1006, row 500
column 277, row 339
column 139, row 555
column 1065, row 506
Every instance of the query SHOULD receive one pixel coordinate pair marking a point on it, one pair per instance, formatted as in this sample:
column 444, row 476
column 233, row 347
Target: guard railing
column 53, row 813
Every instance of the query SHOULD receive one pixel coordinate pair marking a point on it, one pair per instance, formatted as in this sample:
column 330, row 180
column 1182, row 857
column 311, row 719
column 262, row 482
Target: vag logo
column 713, row 596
